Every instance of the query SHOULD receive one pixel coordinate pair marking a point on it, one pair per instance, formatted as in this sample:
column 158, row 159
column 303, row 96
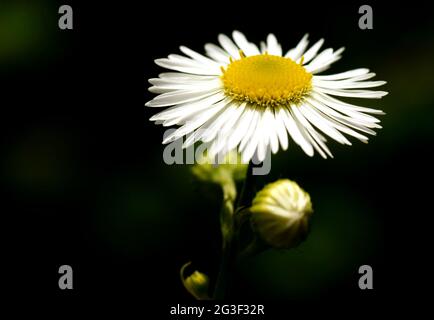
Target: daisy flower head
column 251, row 99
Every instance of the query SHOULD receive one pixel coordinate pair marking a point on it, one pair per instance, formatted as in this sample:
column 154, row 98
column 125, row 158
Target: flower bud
column 280, row 214
column 197, row 283
column 219, row 169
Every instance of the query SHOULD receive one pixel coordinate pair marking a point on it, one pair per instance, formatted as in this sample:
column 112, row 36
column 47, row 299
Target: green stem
column 230, row 231
column 248, row 188
column 227, row 228
column 225, row 275
column 256, row 246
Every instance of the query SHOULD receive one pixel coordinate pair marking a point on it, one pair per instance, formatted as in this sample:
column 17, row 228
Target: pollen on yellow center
column 266, row 80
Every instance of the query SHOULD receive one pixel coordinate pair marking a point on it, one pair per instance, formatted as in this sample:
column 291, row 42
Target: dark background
column 86, row 184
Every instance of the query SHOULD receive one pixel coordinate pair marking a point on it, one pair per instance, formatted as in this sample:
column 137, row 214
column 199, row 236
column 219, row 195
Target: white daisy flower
column 243, row 97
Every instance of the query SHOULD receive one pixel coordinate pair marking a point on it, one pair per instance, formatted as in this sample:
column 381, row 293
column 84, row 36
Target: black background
column 90, row 90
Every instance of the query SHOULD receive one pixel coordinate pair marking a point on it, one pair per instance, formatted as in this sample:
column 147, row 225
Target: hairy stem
column 230, row 230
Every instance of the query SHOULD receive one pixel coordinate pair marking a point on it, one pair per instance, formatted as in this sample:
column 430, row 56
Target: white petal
column 187, row 87
column 322, row 124
column 315, row 137
column 344, row 75
column 346, row 84
column 163, row 86
column 324, row 60
column 192, row 125
column 337, row 123
column 241, row 127
column 281, row 130
column 248, row 48
column 297, row 52
column 350, row 123
column 190, row 139
column 271, row 129
column 225, row 132
column 295, row 133
column 180, row 96
column 273, row 47
column 229, row 125
column 337, row 111
column 217, row 53
column 250, row 140
column 183, row 60
column 263, row 138
column 304, row 132
column 211, row 131
column 361, row 77
column 185, row 119
column 263, row 47
column 179, row 76
column 324, row 55
column 197, row 56
column 251, row 127
column 368, row 94
column 228, row 45
column 312, row 51
column 345, row 107
column 188, row 116
column 187, row 108
column 187, row 68
column 345, row 120
column 193, row 81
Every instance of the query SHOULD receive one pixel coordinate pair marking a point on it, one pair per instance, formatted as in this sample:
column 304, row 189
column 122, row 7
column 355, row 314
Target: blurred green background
column 84, row 169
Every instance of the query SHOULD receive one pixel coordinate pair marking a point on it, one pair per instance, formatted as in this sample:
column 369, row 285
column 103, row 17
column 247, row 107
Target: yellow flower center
column 266, row 80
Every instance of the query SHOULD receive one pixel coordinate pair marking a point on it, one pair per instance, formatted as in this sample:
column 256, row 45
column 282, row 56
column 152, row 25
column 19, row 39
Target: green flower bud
column 197, row 283
column 219, row 170
column 280, row 214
